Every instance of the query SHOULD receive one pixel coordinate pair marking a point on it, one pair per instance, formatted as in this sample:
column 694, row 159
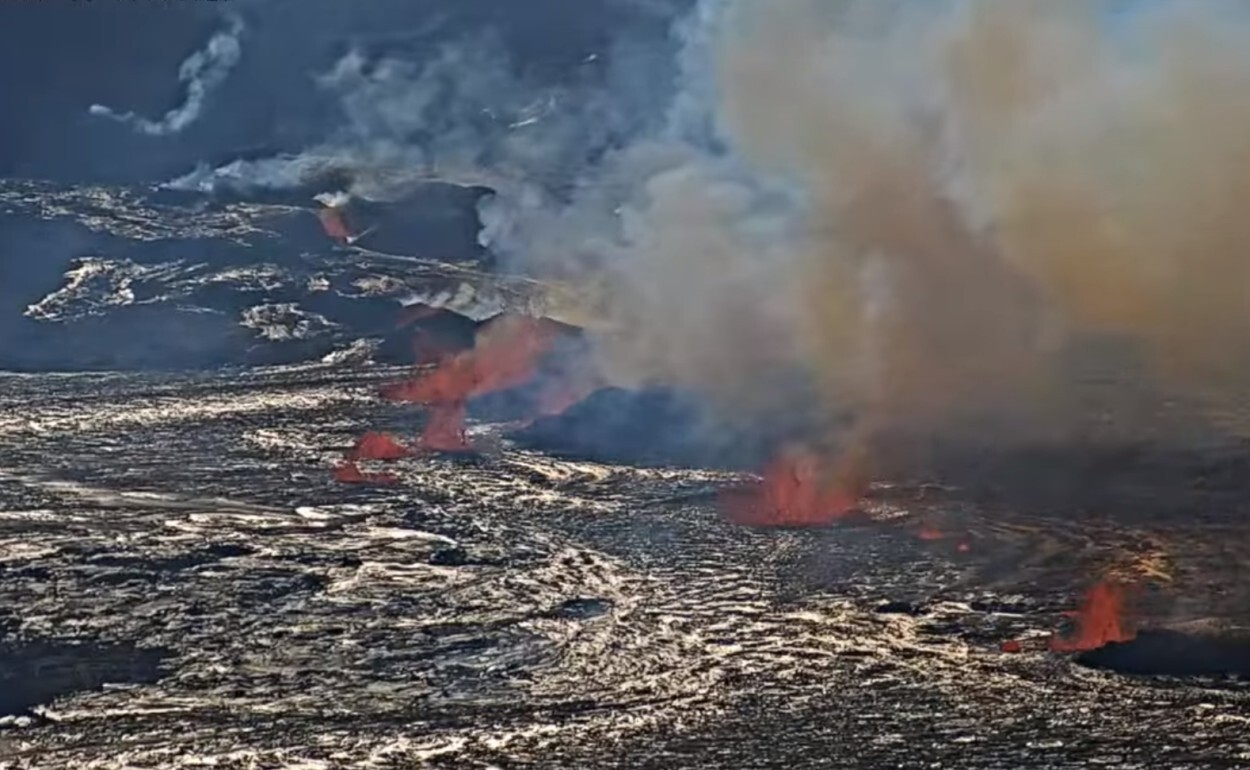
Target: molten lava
column 797, row 491
column 930, row 533
column 334, row 224
column 1099, row 622
column 378, row 446
column 506, row 354
column 444, row 429
column 348, row 472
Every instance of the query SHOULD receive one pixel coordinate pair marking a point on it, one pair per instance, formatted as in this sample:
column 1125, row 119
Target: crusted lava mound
column 650, row 427
column 1165, row 652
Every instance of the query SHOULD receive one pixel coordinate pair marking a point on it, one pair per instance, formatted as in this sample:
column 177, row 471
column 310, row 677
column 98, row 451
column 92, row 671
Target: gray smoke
column 926, row 207
column 936, row 208
column 937, row 211
column 202, row 72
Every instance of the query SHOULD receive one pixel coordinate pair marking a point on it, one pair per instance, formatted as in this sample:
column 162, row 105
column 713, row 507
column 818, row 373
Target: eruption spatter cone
column 378, row 446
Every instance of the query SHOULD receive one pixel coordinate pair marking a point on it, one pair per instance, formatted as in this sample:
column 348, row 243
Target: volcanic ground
column 183, row 582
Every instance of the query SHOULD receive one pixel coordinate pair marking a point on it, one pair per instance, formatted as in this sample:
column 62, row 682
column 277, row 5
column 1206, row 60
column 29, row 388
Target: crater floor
column 182, row 584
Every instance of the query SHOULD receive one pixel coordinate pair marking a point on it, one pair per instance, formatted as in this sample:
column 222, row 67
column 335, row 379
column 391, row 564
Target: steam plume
column 202, row 72
column 465, row 115
column 934, row 207
column 931, row 211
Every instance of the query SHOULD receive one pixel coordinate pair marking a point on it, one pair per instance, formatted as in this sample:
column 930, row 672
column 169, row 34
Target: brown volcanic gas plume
column 934, row 215
column 935, row 210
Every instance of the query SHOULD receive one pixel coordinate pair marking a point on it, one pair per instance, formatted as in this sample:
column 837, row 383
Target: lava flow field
column 185, row 583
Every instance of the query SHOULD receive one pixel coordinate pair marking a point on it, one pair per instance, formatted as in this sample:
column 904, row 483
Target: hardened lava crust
column 183, row 584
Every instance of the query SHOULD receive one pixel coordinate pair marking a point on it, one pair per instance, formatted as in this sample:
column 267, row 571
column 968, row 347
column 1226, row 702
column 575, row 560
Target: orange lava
column 797, row 491
column 505, row 355
column 378, row 446
column 1099, row 622
column 333, row 223
column 930, row 533
column 444, row 429
column 1012, row 646
column 348, row 472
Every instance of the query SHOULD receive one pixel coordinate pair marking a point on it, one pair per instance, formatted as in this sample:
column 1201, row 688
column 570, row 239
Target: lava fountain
column 506, row 354
column 1101, row 620
column 798, row 489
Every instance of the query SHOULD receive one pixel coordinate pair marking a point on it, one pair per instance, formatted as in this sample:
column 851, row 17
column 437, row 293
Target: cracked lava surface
column 184, row 584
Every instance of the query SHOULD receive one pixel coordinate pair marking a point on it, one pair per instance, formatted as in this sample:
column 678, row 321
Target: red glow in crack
column 347, row 472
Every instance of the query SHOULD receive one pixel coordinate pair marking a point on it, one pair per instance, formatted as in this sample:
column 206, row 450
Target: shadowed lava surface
column 184, row 586
column 136, row 278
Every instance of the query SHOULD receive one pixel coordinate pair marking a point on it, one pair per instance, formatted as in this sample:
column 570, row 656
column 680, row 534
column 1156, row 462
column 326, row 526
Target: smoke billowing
column 934, row 215
column 202, row 73
column 937, row 210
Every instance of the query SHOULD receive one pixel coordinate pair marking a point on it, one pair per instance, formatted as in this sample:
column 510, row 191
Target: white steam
column 203, row 72
column 928, row 207
column 465, row 115
column 935, row 207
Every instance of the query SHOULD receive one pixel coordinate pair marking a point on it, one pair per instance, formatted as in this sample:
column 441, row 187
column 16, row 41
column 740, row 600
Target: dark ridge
column 1174, row 653
column 655, row 427
column 33, row 673
column 569, row 356
column 423, row 340
column 581, row 609
column 436, row 220
column 897, row 607
column 1142, row 481
column 660, row 426
column 184, row 561
column 224, row 193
